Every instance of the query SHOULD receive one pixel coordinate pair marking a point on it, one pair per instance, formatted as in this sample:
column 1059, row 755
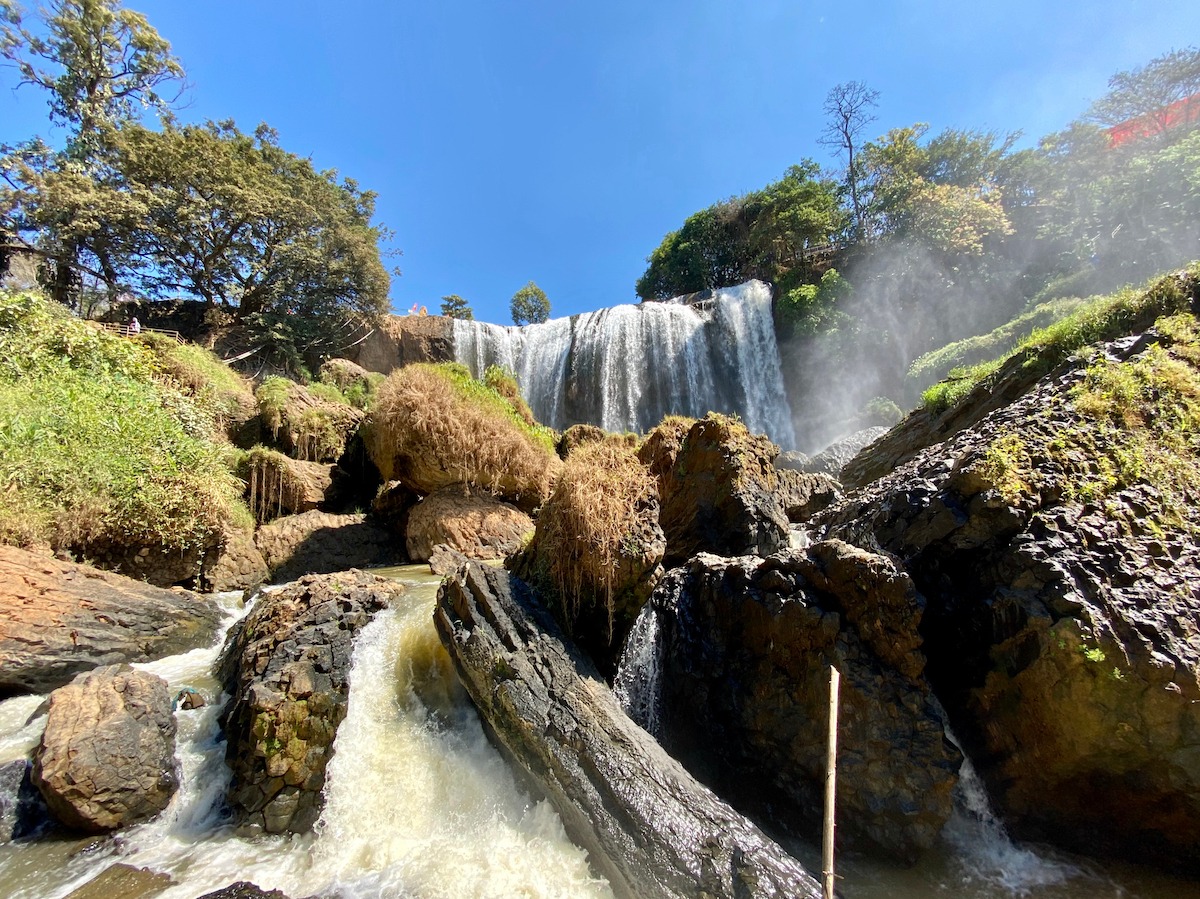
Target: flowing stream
column 419, row 804
column 626, row 367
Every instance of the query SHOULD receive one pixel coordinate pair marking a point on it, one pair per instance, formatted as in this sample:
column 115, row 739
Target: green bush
column 94, row 450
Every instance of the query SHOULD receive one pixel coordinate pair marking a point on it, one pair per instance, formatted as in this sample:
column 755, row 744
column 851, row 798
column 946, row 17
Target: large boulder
column 1055, row 543
column 651, row 829
column 286, row 666
column 747, row 648
column 834, row 457
column 237, row 566
column 803, row 495
column 721, row 494
column 597, row 551
column 319, row 542
column 58, row 619
column 302, row 424
column 468, row 520
column 107, row 756
column 433, row 426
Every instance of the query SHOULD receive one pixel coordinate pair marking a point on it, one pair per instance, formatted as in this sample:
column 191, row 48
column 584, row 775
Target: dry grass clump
column 661, row 447
column 597, row 536
column 504, row 382
column 434, row 425
column 272, row 486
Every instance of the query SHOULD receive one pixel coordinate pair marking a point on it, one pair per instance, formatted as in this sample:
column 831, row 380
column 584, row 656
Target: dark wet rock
column 318, row 542
column 647, row 825
column 58, row 619
column 244, row 890
column 23, row 812
column 392, row 505
column 287, row 667
column 107, row 757
column 467, row 519
column 721, row 495
column 124, row 881
column 803, row 495
column 1062, row 634
column 748, row 644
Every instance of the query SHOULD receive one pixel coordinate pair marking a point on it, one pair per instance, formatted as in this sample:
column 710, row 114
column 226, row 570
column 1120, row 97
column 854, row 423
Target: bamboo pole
column 830, row 785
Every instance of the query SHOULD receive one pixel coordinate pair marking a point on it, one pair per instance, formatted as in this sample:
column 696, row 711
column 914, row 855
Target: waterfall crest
column 626, row 367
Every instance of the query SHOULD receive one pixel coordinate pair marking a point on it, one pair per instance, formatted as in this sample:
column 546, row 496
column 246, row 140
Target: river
column 419, row 804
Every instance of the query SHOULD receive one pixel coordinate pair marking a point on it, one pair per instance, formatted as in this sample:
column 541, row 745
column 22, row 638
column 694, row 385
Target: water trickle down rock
column 286, row 666
column 747, row 646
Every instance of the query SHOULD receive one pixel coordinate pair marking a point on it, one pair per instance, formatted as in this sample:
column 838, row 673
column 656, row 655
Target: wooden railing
column 124, row 331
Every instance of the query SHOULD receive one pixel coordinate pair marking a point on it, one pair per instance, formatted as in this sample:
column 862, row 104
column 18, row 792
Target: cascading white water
column 985, row 852
column 626, row 367
column 418, row 802
column 638, row 684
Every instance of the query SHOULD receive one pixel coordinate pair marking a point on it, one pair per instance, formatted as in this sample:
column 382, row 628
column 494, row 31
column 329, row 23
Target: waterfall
column 626, row 367
column 985, row 852
column 638, row 684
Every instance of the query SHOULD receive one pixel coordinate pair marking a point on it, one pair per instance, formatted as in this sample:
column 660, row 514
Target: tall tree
column 530, row 305
column 1149, row 95
column 848, row 107
column 454, row 306
column 100, row 65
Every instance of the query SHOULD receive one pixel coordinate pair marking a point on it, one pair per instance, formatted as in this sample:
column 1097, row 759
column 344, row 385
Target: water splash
column 626, row 367
column 986, row 855
column 638, row 684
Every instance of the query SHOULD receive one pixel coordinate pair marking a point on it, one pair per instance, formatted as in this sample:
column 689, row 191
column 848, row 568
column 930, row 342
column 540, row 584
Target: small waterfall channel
column 626, row 367
column 418, row 802
column 977, row 858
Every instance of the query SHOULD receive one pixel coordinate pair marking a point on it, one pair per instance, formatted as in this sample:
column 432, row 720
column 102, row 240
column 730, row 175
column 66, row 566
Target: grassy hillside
column 98, row 445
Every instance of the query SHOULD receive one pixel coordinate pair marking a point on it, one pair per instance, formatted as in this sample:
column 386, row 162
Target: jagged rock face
column 803, row 495
column 286, row 667
column 238, row 566
column 58, row 619
column 468, row 520
column 748, row 647
column 318, row 542
column 244, row 890
column 107, row 757
column 1063, row 635
column 834, row 457
column 720, row 495
column 647, row 825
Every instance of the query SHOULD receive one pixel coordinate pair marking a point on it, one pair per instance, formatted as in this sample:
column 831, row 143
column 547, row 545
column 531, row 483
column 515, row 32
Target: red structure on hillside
column 1181, row 112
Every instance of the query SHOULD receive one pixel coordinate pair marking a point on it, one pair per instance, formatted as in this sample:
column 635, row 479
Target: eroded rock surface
column 107, row 757
column 1063, row 633
column 721, row 494
column 648, row 826
column 466, row 519
column 58, row 619
column 319, row 542
column 287, row 667
column 748, row 644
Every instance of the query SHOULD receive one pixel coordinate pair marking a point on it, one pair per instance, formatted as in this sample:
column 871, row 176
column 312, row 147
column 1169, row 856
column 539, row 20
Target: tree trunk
column 649, row 827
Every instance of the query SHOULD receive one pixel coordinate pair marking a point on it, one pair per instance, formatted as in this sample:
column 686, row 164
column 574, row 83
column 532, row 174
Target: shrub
column 434, row 425
column 198, row 373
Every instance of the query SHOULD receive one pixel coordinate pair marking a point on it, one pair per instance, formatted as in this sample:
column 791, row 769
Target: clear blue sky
column 559, row 141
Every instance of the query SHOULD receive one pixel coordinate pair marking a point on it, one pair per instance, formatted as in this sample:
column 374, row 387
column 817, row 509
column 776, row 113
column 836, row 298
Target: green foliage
column 530, row 305
column 810, row 308
column 94, row 450
column 494, row 400
column 760, row 235
column 1100, row 318
column 272, row 398
column 1145, row 93
column 198, row 373
column 454, row 306
column 972, row 350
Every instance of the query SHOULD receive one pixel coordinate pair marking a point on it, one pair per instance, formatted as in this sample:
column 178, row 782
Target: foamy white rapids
column 626, row 367
column 418, row 803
